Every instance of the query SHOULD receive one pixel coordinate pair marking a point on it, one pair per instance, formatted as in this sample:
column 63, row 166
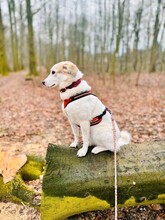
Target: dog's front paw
column 74, row 144
column 82, row 152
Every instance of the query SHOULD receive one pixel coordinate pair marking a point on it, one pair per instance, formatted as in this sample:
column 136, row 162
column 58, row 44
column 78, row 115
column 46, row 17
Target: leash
column 115, row 165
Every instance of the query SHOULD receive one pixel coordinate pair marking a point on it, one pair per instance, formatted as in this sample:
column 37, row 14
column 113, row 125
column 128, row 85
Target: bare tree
column 155, row 38
column 3, row 59
column 63, row 43
column 113, row 32
column 127, row 37
column 121, row 7
column 137, row 23
column 163, row 52
column 31, row 46
column 13, row 34
column 22, row 34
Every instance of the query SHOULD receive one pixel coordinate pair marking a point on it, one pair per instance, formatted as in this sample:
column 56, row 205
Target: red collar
column 74, row 84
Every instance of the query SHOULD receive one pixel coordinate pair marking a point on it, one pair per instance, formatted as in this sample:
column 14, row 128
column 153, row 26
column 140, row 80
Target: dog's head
column 62, row 73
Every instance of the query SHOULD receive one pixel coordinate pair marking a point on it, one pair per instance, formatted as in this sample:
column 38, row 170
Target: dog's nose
column 43, row 82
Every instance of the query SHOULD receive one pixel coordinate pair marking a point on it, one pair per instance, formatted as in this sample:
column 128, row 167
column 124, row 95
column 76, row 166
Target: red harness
column 74, row 98
column 96, row 120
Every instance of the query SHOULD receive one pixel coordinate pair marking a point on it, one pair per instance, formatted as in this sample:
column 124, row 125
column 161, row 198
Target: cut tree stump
column 72, row 185
column 16, row 190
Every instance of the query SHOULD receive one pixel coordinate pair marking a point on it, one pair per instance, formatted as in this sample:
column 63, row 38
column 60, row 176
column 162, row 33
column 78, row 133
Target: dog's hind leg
column 109, row 147
column 98, row 149
column 75, row 130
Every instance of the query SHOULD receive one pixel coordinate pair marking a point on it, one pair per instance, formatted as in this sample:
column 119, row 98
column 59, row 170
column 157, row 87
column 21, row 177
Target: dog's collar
column 74, row 84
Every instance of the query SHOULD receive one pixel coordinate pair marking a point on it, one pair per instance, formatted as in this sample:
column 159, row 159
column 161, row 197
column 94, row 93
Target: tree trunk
column 3, row 59
column 162, row 37
column 147, row 55
column 22, row 31
column 83, row 25
column 138, row 17
column 121, row 7
column 127, row 35
column 63, row 52
column 31, row 48
column 109, row 33
column 13, row 34
column 113, row 24
column 155, row 37
column 137, row 53
column 57, row 23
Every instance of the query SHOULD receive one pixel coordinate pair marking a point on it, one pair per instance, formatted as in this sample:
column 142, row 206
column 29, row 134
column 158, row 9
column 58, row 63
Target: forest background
column 102, row 36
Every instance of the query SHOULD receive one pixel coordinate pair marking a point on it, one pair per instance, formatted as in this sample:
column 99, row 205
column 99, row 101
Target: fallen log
column 72, row 185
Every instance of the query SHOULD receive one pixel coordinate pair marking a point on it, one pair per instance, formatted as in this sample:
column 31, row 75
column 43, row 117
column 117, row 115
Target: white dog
column 85, row 111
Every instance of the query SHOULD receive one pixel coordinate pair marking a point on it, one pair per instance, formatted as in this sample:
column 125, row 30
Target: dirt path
column 31, row 117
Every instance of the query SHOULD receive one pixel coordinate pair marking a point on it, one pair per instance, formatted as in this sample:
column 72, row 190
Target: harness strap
column 96, row 120
column 74, row 98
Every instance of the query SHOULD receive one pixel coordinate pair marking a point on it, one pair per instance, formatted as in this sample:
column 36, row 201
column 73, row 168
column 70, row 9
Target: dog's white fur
column 81, row 111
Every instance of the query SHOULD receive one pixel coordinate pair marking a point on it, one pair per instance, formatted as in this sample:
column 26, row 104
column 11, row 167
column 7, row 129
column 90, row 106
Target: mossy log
column 16, row 190
column 72, row 185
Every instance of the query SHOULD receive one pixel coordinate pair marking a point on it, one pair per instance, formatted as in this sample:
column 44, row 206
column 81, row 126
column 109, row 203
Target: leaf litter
column 31, row 117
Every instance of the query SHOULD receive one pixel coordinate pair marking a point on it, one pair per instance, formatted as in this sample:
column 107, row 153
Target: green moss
column 33, row 168
column 132, row 201
column 142, row 187
column 56, row 208
column 16, row 191
column 21, row 191
column 5, row 189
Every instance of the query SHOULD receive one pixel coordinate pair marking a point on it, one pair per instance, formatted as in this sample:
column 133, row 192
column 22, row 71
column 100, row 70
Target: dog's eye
column 53, row 72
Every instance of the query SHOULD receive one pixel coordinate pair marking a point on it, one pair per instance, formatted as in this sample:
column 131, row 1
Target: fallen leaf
column 9, row 165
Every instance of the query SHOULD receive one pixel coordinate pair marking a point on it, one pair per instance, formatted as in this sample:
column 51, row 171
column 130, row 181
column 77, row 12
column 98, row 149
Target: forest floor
column 31, row 117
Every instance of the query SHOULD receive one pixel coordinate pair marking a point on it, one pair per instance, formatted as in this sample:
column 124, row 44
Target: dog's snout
column 43, row 82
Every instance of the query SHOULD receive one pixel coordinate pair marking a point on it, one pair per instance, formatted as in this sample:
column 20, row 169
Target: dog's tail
column 125, row 138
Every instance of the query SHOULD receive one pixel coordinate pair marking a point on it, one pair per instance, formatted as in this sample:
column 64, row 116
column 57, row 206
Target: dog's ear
column 70, row 68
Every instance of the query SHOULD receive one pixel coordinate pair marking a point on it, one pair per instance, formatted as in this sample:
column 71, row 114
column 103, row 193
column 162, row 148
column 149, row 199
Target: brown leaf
column 9, row 165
